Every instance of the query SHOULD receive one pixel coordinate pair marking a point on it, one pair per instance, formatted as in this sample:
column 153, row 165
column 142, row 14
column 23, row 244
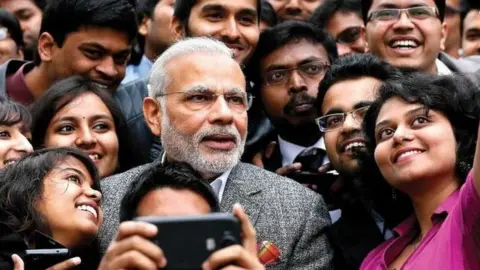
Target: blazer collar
column 241, row 188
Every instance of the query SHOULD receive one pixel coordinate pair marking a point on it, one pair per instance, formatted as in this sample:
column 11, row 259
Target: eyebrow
column 394, row 6
column 221, row 8
column 304, row 61
column 473, row 30
column 358, row 105
column 71, row 170
column 407, row 114
column 100, row 47
column 205, row 89
column 73, row 118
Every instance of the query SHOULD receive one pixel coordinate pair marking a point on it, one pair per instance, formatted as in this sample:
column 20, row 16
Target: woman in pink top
column 423, row 135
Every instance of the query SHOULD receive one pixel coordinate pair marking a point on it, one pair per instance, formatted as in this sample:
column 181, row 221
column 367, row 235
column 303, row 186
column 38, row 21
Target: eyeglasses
column 202, row 99
column 349, row 35
column 313, row 69
column 416, row 13
column 335, row 121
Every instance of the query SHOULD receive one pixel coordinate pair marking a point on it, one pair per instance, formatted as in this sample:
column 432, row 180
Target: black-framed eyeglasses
column 314, row 69
column 349, row 35
column 393, row 14
column 202, row 99
column 335, row 121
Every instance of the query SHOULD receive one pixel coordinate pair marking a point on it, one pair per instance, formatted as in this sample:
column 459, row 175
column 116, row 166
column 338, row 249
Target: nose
column 350, row 124
column 107, row 67
column 230, row 30
column 403, row 22
column 402, row 135
column 297, row 83
column 220, row 112
column 85, row 139
column 23, row 145
column 93, row 194
column 343, row 49
column 293, row 5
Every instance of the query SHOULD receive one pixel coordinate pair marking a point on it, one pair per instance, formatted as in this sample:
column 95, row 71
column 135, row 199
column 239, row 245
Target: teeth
column 354, row 144
column 404, row 43
column 94, row 157
column 88, row 208
column 409, row 153
column 9, row 162
column 99, row 85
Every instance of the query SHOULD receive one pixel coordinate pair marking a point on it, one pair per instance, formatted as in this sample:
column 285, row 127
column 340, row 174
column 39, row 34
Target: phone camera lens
column 227, row 240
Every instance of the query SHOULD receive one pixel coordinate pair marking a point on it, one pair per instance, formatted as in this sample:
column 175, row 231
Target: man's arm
column 313, row 250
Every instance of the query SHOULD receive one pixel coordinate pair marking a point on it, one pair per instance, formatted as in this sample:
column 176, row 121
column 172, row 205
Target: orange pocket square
column 268, row 252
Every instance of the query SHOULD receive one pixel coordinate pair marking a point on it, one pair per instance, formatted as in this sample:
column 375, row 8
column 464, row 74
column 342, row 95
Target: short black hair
column 327, row 10
column 268, row 14
column 355, row 66
column 61, row 94
column 367, row 4
column 21, row 186
column 62, row 17
column 282, row 34
column 453, row 96
column 145, row 8
column 184, row 7
column 40, row 3
column 9, row 21
column 12, row 113
column 175, row 175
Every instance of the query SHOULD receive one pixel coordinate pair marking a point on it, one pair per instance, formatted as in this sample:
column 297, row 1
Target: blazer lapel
column 240, row 189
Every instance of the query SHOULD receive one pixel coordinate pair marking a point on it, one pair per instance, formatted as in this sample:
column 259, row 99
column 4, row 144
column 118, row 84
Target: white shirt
column 290, row 151
column 442, row 69
column 223, row 178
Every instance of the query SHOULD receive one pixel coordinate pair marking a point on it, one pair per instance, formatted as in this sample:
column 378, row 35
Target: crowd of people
column 340, row 134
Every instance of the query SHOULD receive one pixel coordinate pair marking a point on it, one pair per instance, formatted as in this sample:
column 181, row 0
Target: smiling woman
column 77, row 113
column 50, row 199
column 422, row 132
column 14, row 132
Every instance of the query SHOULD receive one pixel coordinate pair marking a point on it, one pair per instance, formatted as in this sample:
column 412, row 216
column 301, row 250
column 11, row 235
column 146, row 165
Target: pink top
column 452, row 243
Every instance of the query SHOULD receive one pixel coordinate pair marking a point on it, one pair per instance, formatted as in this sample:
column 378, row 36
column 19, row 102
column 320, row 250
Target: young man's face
column 29, row 16
column 235, row 23
column 99, row 54
column 156, row 29
column 406, row 41
column 348, row 30
column 471, row 33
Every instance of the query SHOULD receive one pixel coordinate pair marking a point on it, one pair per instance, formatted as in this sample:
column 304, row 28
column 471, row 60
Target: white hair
column 159, row 80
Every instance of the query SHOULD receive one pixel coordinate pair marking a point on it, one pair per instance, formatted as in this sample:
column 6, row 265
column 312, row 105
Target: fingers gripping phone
column 188, row 241
column 45, row 258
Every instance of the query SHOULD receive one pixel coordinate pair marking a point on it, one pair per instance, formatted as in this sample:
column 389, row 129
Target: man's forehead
column 283, row 56
column 17, row 4
column 232, row 5
column 402, row 3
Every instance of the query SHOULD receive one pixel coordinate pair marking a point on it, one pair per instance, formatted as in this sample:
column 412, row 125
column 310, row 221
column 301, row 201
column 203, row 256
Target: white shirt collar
column 223, row 177
column 442, row 69
column 290, row 150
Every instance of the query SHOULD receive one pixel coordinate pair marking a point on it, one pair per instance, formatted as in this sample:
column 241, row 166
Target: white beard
column 186, row 149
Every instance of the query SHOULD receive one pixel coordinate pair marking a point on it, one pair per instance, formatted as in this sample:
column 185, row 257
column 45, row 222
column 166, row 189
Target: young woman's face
column 87, row 124
column 413, row 145
column 14, row 143
column 69, row 204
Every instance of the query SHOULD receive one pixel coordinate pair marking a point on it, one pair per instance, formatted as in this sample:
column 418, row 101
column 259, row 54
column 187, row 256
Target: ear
column 20, row 54
column 177, row 28
column 46, row 47
column 443, row 37
column 363, row 36
column 144, row 26
column 152, row 112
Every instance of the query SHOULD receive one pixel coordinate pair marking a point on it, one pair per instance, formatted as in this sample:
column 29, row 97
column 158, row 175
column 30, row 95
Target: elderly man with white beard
column 198, row 106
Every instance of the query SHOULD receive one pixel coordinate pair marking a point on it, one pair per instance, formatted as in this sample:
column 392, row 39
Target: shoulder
column 115, row 185
column 130, row 97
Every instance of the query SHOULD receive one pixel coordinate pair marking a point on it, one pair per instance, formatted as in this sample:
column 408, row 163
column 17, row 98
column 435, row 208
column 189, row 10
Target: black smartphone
column 45, row 258
column 189, row 240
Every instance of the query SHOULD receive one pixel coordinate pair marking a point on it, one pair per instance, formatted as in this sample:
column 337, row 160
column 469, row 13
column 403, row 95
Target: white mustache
column 219, row 130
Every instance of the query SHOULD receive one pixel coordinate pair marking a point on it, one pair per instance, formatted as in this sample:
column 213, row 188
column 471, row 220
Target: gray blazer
column 283, row 212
